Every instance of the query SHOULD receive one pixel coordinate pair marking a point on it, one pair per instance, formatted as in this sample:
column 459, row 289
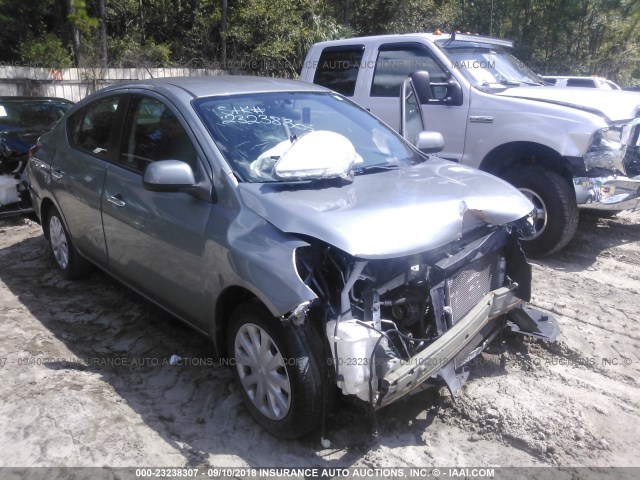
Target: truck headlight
column 608, row 148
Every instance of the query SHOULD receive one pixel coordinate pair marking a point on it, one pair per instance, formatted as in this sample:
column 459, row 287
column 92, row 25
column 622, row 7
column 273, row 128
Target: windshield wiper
column 537, row 84
column 510, row 83
column 375, row 168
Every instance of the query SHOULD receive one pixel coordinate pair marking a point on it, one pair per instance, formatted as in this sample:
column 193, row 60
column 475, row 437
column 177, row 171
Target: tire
column 296, row 381
column 68, row 260
column 555, row 202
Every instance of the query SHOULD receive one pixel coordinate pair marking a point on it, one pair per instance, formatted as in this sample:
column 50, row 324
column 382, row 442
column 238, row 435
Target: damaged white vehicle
column 311, row 242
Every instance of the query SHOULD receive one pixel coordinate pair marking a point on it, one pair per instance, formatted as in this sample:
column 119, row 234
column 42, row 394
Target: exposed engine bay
column 394, row 324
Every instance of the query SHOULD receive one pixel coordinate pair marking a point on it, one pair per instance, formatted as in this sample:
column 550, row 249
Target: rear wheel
column 69, row 262
column 556, row 211
column 279, row 371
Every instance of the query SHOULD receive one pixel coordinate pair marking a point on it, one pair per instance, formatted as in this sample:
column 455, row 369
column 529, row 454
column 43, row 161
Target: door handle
column 116, row 200
column 57, row 173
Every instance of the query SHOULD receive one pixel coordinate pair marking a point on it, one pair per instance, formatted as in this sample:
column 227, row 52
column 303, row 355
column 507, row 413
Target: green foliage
column 47, row 52
column 384, row 16
column 80, row 18
column 129, row 51
column 272, row 36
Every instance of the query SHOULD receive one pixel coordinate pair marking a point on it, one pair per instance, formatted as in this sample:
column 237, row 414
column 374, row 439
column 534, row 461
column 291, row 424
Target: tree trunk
column 223, row 35
column 75, row 39
column 142, row 29
column 104, row 59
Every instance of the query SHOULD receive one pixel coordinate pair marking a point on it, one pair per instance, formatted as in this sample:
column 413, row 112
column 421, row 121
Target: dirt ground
column 85, row 378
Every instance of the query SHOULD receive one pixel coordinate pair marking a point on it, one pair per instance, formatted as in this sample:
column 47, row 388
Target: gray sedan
column 319, row 250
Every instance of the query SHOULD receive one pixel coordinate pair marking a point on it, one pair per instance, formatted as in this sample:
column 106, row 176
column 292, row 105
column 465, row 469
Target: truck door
column 395, row 61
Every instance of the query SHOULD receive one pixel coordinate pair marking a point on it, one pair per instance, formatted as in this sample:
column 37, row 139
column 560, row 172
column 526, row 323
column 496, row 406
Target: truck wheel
column 556, row 214
column 278, row 370
column 70, row 263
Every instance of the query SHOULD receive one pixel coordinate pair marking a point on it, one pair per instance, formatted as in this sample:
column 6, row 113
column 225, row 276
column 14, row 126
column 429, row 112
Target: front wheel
column 556, row 211
column 279, row 371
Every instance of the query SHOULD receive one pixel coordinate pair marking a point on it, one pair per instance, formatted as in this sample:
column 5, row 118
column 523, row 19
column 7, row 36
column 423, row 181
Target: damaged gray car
column 320, row 251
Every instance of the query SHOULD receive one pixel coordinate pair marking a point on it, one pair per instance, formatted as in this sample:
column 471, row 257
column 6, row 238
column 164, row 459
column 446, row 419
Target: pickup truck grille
column 467, row 287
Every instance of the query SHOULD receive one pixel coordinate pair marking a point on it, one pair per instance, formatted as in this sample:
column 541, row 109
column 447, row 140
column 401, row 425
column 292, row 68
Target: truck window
column 338, row 68
column 396, row 61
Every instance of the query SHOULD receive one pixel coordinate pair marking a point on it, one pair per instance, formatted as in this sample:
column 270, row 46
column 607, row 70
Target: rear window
column 31, row 114
column 90, row 129
column 338, row 68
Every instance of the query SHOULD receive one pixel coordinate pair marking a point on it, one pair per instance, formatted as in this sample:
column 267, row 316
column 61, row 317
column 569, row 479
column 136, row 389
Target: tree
column 80, row 23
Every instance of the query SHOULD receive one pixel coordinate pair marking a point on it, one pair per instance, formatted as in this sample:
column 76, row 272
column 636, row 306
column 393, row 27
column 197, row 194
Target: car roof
column 214, row 85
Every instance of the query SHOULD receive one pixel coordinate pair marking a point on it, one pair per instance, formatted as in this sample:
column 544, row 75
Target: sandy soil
column 572, row 403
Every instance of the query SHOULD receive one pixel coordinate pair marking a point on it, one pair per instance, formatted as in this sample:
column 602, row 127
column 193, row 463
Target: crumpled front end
column 395, row 325
column 614, row 155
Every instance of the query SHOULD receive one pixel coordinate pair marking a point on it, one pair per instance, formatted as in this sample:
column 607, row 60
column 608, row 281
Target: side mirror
column 168, row 176
column 454, row 93
column 429, row 142
column 421, row 81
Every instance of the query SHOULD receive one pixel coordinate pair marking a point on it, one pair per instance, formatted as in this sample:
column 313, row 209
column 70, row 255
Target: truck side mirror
column 421, row 81
column 454, row 93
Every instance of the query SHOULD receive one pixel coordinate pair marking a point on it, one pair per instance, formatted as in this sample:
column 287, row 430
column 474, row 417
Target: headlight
column 525, row 227
column 608, row 148
column 610, row 137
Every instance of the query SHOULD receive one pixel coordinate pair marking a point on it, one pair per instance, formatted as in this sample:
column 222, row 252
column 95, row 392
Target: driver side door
column 155, row 240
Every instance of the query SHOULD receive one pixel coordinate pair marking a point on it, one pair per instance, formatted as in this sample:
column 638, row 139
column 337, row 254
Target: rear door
column 155, row 240
column 339, row 68
column 78, row 172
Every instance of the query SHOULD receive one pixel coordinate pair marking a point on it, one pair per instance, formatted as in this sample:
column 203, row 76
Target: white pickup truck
column 563, row 148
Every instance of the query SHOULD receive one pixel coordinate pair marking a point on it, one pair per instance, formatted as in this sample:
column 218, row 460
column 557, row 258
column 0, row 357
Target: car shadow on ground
column 193, row 405
column 596, row 234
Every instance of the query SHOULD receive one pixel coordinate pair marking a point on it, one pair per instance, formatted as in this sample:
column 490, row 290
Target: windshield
column 489, row 65
column 254, row 130
column 31, row 114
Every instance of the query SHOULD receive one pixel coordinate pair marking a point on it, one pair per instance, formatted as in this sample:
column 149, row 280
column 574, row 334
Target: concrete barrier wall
column 76, row 83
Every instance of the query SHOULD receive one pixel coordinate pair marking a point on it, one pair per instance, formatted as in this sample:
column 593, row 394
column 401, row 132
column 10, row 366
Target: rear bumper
column 614, row 193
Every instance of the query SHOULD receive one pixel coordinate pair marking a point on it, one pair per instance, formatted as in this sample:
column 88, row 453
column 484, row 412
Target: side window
column 396, row 62
column 154, row 133
column 338, row 68
column 91, row 128
column 581, row 82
